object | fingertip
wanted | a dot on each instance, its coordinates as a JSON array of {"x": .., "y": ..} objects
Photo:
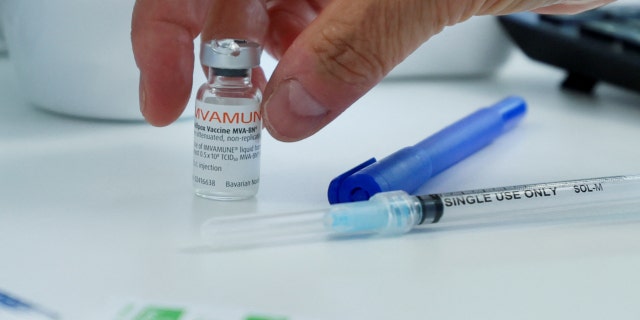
[
  {"x": 159, "y": 108},
  {"x": 331, "y": 64},
  {"x": 163, "y": 119},
  {"x": 303, "y": 96},
  {"x": 162, "y": 33},
  {"x": 142, "y": 94},
  {"x": 292, "y": 114},
  {"x": 165, "y": 59}
]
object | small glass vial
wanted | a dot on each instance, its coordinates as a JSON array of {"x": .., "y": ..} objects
[{"x": 228, "y": 123}]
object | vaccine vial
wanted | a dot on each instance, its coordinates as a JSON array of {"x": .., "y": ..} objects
[{"x": 228, "y": 123}]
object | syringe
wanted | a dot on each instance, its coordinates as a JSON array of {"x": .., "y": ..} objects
[{"x": 396, "y": 212}]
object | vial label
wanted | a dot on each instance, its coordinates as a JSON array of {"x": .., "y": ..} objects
[{"x": 226, "y": 162}]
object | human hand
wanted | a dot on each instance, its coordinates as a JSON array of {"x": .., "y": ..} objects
[{"x": 331, "y": 52}]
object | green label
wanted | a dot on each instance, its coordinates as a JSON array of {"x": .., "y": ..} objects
[
  {"x": 254, "y": 317},
  {"x": 153, "y": 313}
]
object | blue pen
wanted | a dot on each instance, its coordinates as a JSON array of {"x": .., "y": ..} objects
[
  {"x": 409, "y": 168},
  {"x": 15, "y": 308},
  {"x": 391, "y": 209}
]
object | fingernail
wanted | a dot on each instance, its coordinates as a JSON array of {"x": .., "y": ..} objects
[
  {"x": 142, "y": 92},
  {"x": 291, "y": 113}
]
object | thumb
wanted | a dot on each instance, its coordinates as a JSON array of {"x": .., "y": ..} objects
[{"x": 343, "y": 53}]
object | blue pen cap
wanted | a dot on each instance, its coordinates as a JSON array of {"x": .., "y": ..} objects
[{"x": 409, "y": 168}]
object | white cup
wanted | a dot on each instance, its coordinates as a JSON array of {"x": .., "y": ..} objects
[{"x": 74, "y": 56}]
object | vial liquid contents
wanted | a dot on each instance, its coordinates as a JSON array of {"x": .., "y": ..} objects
[{"x": 228, "y": 123}]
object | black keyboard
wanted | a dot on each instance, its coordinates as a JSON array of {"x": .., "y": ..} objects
[{"x": 598, "y": 45}]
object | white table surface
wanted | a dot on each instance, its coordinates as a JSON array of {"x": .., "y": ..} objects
[{"x": 96, "y": 210}]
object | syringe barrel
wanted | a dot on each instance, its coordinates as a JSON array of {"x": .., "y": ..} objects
[{"x": 618, "y": 194}]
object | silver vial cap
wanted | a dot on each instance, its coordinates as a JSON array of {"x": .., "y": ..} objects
[{"x": 230, "y": 54}]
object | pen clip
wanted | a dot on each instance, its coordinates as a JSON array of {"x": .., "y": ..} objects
[{"x": 335, "y": 185}]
